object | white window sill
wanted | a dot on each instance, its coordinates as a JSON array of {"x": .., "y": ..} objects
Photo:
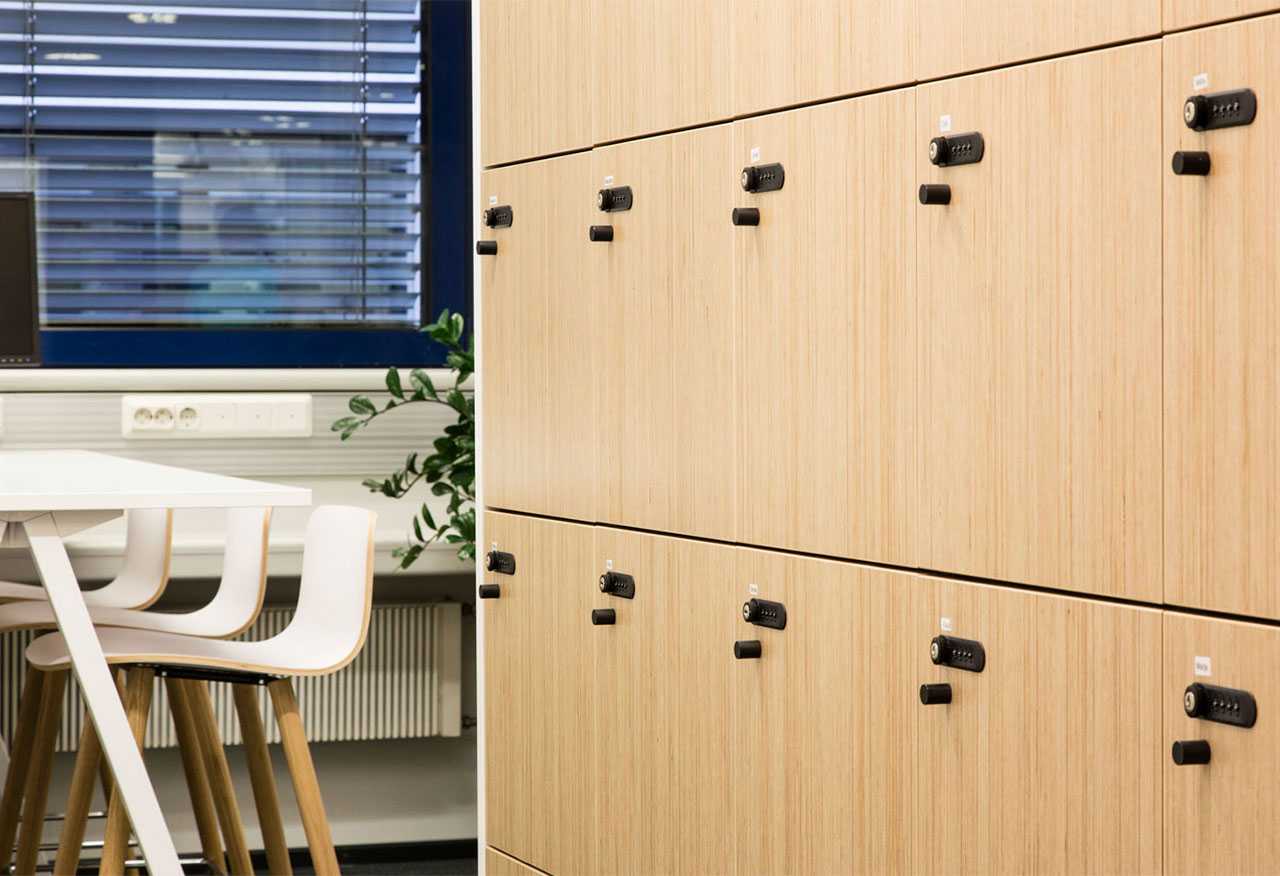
[{"x": 207, "y": 379}]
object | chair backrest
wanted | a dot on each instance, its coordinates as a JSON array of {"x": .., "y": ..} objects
[
  {"x": 238, "y": 601},
  {"x": 147, "y": 551},
  {"x": 336, "y": 592}
]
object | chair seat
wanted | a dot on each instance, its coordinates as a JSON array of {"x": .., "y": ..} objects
[
  {"x": 284, "y": 654},
  {"x": 29, "y": 615},
  {"x": 14, "y": 590}
]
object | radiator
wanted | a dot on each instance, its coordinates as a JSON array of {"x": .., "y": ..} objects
[{"x": 406, "y": 684}]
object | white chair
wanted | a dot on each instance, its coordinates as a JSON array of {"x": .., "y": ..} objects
[
  {"x": 234, "y": 607},
  {"x": 326, "y": 633},
  {"x": 142, "y": 579}
]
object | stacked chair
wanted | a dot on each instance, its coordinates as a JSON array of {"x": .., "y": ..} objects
[{"x": 189, "y": 651}]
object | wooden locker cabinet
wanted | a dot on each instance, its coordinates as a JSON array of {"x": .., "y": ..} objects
[
  {"x": 961, "y": 36},
  {"x": 665, "y": 343},
  {"x": 1039, "y": 294},
  {"x": 539, "y": 678},
  {"x": 1049, "y": 759},
  {"x": 823, "y": 721},
  {"x": 658, "y": 65},
  {"x": 661, "y": 706},
  {"x": 535, "y": 79},
  {"x": 1220, "y": 817},
  {"x": 789, "y": 53},
  {"x": 1221, "y": 324},
  {"x": 537, "y": 313},
  {"x": 1179, "y": 14},
  {"x": 826, "y": 347}
]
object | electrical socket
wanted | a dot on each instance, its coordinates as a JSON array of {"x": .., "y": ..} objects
[{"x": 221, "y": 415}]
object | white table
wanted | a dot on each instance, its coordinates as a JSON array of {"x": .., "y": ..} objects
[{"x": 48, "y": 495}]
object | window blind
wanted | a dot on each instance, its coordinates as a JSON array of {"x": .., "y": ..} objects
[{"x": 218, "y": 162}]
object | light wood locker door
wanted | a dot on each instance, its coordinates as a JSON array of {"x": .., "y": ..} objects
[
  {"x": 664, "y": 385},
  {"x": 658, "y": 65},
  {"x": 1221, "y": 324},
  {"x": 1049, "y": 759},
  {"x": 661, "y": 705},
  {"x": 789, "y": 53},
  {"x": 539, "y": 789},
  {"x": 823, "y": 720},
  {"x": 1040, "y": 325},
  {"x": 1221, "y": 816},
  {"x": 498, "y": 864},
  {"x": 535, "y": 79},
  {"x": 827, "y": 332},
  {"x": 538, "y": 318},
  {"x": 1188, "y": 13},
  {"x": 961, "y": 36}
]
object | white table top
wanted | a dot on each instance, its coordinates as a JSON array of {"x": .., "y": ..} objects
[{"x": 79, "y": 480}]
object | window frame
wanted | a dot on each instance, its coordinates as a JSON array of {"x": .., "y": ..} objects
[{"x": 446, "y": 275}]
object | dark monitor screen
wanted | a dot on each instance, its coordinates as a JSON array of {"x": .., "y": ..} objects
[{"x": 19, "y": 313}]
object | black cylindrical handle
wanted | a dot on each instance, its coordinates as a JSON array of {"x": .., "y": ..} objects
[
  {"x": 935, "y": 694},
  {"x": 935, "y": 193},
  {"x": 600, "y": 233},
  {"x": 747, "y": 650},
  {"x": 1191, "y": 751},
  {"x": 490, "y": 591},
  {"x": 746, "y": 216},
  {"x": 604, "y": 617},
  {"x": 486, "y": 247},
  {"x": 1191, "y": 163}
]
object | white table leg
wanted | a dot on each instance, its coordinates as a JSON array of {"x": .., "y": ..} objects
[{"x": 100, "y": 696}]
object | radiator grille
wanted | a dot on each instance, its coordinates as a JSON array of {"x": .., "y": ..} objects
[{"x": 405, "y": 684}]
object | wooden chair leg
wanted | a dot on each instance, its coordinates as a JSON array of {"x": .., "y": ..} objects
[
  {"x": 215, "y": 764},
  {"x": 264, "y": 780},
  {"x": 197, "y": 779},
  {"x": 80, "y": 798},
  {"x": 15, "y": 780},
  {"x": 36, "y": 793},
  {"x": 324, "y": 860},
  {"x": 137, "y": 706}
]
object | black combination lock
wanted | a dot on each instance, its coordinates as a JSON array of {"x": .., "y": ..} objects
[
  {"x": 501, "y": 562},
  {"x": 763, "y": 177},
  {"x": 1224, "y": 109},
  {"x": 498, "y": 217},
  {"x": 614, "y": 200},
  {"x": 1224, "y": 705},
  {"x": 956, "y": 149},
  {"x": 618, "y": 584},
  {"x": 764, "y": 613},
  {"x": 963, "y": 654}
]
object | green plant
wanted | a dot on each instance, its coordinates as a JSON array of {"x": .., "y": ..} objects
[{"x": 449, "y": 467}]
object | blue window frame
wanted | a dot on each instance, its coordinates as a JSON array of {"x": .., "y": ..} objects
[{"x": 243, "y": 183}]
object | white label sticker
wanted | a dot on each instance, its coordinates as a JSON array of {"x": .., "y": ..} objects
[
  {"x": 608, "y": 180},
  {"x": 1203, "y": 667},
  {"x": 753, "y": 590},
  {"x": 944, "y": 124},
  {"x": 608, "y": 565},
  {"x": 755, "y": 153},
  {"x": 493, "y": 200},
  {"x": 1200, "y": 81},
  {"x": 945, "y": 624}
]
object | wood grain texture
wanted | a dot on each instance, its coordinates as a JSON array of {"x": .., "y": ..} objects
[
  {"x": 203, "y": 809},
  {"x": 827, "y": 333},
  {"x": 657, "y": 65},
  {"x": 79, "y": 799},
  {"x": 1188, "y": 13},
  {"x": 1221, "y": 817},
  {"x": 535, "y": 78},
  {"x": 806, "y": 50},
  {"x": 538, "y": 311},
  {"x": 139, "y": 686},
  {"x": 218, "y": 773},
  {"x": 539, "y": 744},
  {"x": 263, "y": 778},
  {"x": 660, "y": 706},
  {"x": 959, "y": 36},
  {"x": 1221, "y": 323},
  {"x": 822, "y": 726},
  {"x": 1048, "y": 761},
  {"x": 35, "y": 795},
  {"x": 499, "y": 864},
  {"x": 1040, "y": 318},
  {"x": 20, "y": 751},
  {"x": 665, "y": 351},
  {"x": 302, "y": 771}
]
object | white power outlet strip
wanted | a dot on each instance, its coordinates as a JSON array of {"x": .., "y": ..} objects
[{"x": 216, "y": 415}]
